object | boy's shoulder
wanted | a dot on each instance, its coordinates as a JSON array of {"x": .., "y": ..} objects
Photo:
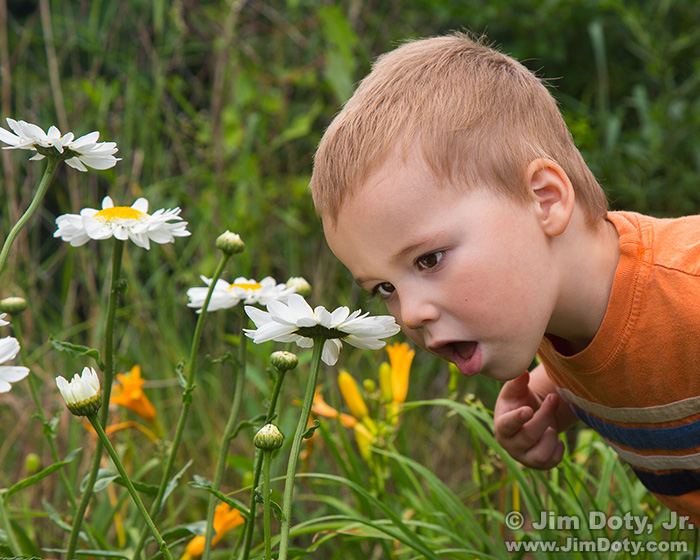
[{"x": 673, "y": 243}]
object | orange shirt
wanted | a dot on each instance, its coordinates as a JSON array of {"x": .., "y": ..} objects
[{"x": 638, "y": 382}]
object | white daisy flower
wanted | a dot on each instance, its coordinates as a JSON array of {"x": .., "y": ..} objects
[
  {"x": 91, "y": 153},
  {"x": 2, "y": 321},
  {"x": 85, "y": 151},
  {"x": 123, "y": 222},
  {"x": 9, "y": 348},
  {"x": 227, "y": 295},
  {"x": 82, "y": 395},
  {"x": 296, "y": 322}
]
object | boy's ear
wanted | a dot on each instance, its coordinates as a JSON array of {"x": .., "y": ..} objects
[{"x": 553, "y": 194}]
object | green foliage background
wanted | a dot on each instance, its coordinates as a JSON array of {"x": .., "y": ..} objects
[{"x": 217, "y": 107}]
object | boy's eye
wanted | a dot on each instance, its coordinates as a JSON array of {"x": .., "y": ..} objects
[
  {"x": 429, "y": 260},
  {"x": 385, "y": 289}
]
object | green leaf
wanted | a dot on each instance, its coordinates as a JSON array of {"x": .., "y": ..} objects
[
  {"x": 90, "y": 552},
  {"x": 173, "y": 482},
  {"x": 104, "y": 477},
  {"x": 33, "y": 479},
  {"x": 77, "y": 350},
  {"x": 204, "y": 484},
  {"x": 179, "y": 373},
  {"x": 311, "y": 429}
]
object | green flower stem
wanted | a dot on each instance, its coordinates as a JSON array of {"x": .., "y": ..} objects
[
  {"x": 226, "y": 438},
  {"x": 117, "y": 254},
  {"x": 319, "y": 341},
  {"x": 114, "y": 290},
  {"x": 267, "y": 456},
  {"x": 5, "y": 519},
  {"x": 129, "y": 486},
  {"x": 186, "y": 403},
  {"x": 84, "y": 501},
  {"x": 51, "y": 165},
  {"x": 250, "y": 525}
]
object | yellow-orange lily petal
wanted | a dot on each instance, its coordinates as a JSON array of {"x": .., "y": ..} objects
[
  {"x": 400, "y": 357},
  {"x": 129, "y": 394},
  {"x": 225, "y": 519},
  {"x": 322, "y": 408},
  {"x": 352, "y": 396}
]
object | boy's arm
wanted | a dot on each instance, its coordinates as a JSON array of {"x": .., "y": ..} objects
[{"x": 527, "y": 418}]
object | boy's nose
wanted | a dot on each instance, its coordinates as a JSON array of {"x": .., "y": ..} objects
[{"x": 416, "y": 311}]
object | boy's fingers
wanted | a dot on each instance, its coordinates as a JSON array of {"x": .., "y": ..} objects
[
  {"x": 546, "y": 453},
  {"x": 507, "y": 424},
  {"x": 519, "y": 440}
]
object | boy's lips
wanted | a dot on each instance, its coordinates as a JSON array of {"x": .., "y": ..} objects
[{"x": 466, "y": 355}]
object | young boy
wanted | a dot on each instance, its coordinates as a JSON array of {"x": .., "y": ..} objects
[{"x": 450, "y": 185}]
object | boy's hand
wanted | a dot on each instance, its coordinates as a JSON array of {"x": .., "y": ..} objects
[{"x": 526, "y": 424}]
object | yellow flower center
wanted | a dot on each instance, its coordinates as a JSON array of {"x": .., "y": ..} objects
[
  {"x": 119, "y": 213},
  {"x": 246, "y": 286}
]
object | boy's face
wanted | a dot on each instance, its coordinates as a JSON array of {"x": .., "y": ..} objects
[{"x": 468, "y": 274}]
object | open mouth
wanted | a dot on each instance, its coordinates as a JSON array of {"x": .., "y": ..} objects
[{"x": 464, "y": 354}]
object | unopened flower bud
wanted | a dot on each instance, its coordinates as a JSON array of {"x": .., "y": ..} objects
[
  {"x": 283, "y": 361},
  {"x": 230, "y": 243},
  {"x": 302, "y": 287},
  {"x": 13, "y": 305},
  {"x": 268, "y": 438},
  {"x": 32, "y": 463},
  {"x": 82, "y": 395},
  {"x": 369, "y": 385}
]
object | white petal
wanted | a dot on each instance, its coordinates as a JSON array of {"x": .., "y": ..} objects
[
  {"x": 331, "y": 350},
  {"x": 13, "y": 374}
]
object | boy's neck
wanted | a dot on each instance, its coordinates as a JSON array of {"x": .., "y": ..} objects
[{"x": 589, "y": 258}]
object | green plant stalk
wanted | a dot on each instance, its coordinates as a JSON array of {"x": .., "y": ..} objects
[
  {"x": 34, "y": 390},
  {"x": 319, "y": 341},
  {"x": 250, "y": 525},
  {"x": 51, "y": 165},
  {"x": 267, "y": 456},
  {"x": 228, "y": 430},
  {"x": 11, "y": 539},
  {"x": 117, "y": 254},
  {"x": 129, "y": 486},
  {"x": 186, "y": 403},
  {"x": 84, "y": 501}
]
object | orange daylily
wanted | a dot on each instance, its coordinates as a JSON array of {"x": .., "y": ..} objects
[
  {"x": 129, "y": 394},
  {"x": 225, "y": 519},
  {"x": 400, "y": 357}
]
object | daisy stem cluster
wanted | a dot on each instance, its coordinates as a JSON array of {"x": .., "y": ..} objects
[
  {"x": 296, "y": 446},
  {"x": 282, "y": 362},
  {"x": 186, "y": 403},
  {"x": 257, "y": 468},
  {"x": 228, "y": 431},
  {"x": 51, "y": 165},
  {"x": 129, "y": 486}
]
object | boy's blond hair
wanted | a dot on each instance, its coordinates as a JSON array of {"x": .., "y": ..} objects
[{"x": 478, "y": 116}]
